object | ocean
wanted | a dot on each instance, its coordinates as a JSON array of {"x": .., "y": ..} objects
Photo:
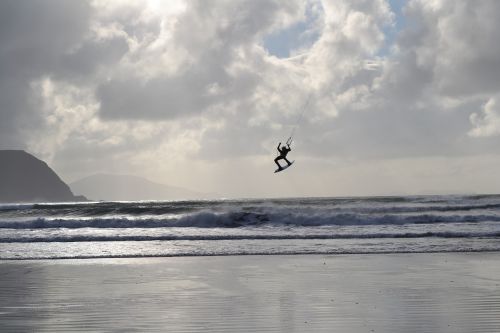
[{"x": 406, "y": 224}]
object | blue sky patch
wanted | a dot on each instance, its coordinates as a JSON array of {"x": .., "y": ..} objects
[
  {"x": 391, "y": 32},
  {"x": 283, "y": 42}
]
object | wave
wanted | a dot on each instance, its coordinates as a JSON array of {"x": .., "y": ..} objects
[
  {"x": 437, "y": 208},
  {"x": 248, "y": 253},
  {"x": 115, "y": 238},
  {"x": 308, "y": 206},
  {"x": 15, "y": 206},
  {"x": 245, "y": 219}
]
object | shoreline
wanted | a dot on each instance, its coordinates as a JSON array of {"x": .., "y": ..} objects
[{"x": 222, "y": 255}]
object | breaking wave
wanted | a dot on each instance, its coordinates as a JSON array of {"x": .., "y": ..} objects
[
  {"x": 114, "y": 238},
  {"x": 382, "y": 205},
  {"x": 246, "y": 219},
  {"x": 250, "y": 226}
]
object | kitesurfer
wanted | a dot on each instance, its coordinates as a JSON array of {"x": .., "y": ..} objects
[{"x": 283, "y": 152}]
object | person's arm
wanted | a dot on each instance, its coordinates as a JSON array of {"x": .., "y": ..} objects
[{"x": 279, "y": 144}]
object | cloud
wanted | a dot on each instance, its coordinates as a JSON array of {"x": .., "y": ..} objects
[
  {"x": 210, "y": 55},
  {"x": 486, "y": 123},
  {"x": 417, "y": 103},
  {"x": 163, "y": 89},
  {"x": 33, "y": 43}
]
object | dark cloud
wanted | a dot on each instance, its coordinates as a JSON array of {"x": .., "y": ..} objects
[
  {"x": 82, "y": 61},
  {"x": 457, "y": 41},
  {"x": 34, "y": 35},
  {"x": 171, "y": 97}
]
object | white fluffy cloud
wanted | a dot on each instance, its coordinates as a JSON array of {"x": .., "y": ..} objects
[
  {"x": 488, "y": 122},
  {"x": 185, "y": 91},
  {"x": 204, "y": 56}
]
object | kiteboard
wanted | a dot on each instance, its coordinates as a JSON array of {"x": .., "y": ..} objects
[{"x": 283, "y": 168}]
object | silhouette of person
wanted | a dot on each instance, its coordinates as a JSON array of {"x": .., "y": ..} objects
[{"x": 283, "y": 152}]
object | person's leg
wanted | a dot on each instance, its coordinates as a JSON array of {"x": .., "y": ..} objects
[
  {"x": 276, "y": 161},
  {"x": 287, "y": 161}
]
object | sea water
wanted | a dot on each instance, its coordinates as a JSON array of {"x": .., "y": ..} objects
[{"x": 250, "y": 226}]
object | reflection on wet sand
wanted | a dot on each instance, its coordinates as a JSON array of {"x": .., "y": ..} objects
[{"x": 346, "y": 293}]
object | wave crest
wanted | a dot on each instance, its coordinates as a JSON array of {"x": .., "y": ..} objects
[
  {"x": 139, "y": 238},
  {"x": 246, "y": 219}
]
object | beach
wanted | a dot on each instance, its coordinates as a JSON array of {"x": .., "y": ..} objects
[
  {"x": 428, "y": 292},
  {"x": 250, "y": 166}
]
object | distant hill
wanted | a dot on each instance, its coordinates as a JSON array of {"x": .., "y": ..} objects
[
  {"x": 129, "y": 188},
  {"x": 24, "y": 178}
]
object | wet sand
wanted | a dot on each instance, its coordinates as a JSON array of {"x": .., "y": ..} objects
[{"x": 445, "y": 292}]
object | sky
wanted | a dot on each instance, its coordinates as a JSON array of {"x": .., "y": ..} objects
[{"x": 397, "y": 97}]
